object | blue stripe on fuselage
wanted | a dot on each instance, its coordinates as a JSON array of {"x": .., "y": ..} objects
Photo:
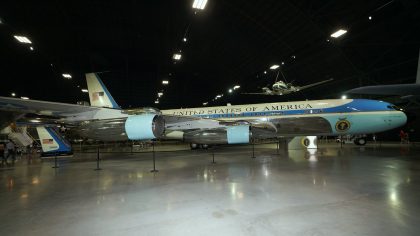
[{"x": 357, "y": 105}]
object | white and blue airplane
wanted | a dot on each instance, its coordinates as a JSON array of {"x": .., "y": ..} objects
[{"x": 105, "y": 120}]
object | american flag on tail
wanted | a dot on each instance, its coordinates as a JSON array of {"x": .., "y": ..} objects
[{"x": 96, "y": 95}]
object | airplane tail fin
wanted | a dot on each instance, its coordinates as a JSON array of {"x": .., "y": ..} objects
[
  {"x": 98, "y": 94},
  {"x": 51, "y": 141}
]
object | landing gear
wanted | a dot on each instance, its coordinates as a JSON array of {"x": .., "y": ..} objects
[
  {"x": 199, "y": 146},
  {"x": 360, "y": 141}
]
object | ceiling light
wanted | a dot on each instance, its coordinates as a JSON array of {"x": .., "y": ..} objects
[
  {"x": 199, "y": 4},
  {"x": 22, "y": 39},
  {"x": 219, "y": 96},
  {"x": 236, "y": 87},
  {"x": 24, "y": 98},
  {"x": 165, "y": 82},
  {"x": 205, "y": 103},
  {"x": 344, "y": 97},
  {"x": 177, "y": 56},
  {"x": 32, "y": 48},
  {"x": 273, "y": 67},
  {"x": 67, "y": 76},
  {"x": 1, "y": 21},
  {"x": 160, "y": 94},
  {"x": 370, "y": 17},
  {"x": 338, "y": 33},
  {"x": 294, "y": 57},
  {"x": 282, "y": 63},
  {"x": 13, "y": 94},
  {"x": 157, "y": 102},
  {"x": 230, "y": 90},
  {"x": 184, "y": 39},
  {"x": 265, "y": 72},
  {"x": 85, "y": 90}
]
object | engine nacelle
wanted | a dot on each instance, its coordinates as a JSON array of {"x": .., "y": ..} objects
[
  {"x": 144, "y": 127},
  {"x": 229, "y": 135}
]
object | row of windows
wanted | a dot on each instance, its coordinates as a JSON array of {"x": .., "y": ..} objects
[{"x": 276, "y": 113}]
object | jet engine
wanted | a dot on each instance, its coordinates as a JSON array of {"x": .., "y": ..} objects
[
  {"x": 229, "y": 135},
  {"x": 143, "y": 127},
  {"x": 136, "y": 127}
]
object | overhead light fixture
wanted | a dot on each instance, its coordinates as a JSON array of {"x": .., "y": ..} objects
[
  {"x": 13, "y": 94},
  {"x": 282, "y": 63},
  {"x": 165, "y": 82},
  {"x": 294, "y": 57},
  {"x": 265, "y": 72},
  {"x": 199, "y": 4},
  {"x": 205, "y": 103},
  {"x": 160, "y": 94},
  {"x": 24, "y": 98},
  {"x": 236, "y": 87},
  {"x": 184, "y": 39},
  {"x": 157, "y": 102},
  {"x": 370, "y": 17},
  {"x": 1, "y": 21},
  {"x": 31, "y": 48},
  {"x": 273, "y": 67},
  {"x": 230, "y": 90},
  {"x": 219, "y": 96},
  {"x": 344, "y": 97},
  {"x": 67, "y": 76},
  {"x": 338, "y": 33},
  {"x": 177, "y": 56},
  {"x": 85, "y": 90},
  {"x": 22, "y": 39}
]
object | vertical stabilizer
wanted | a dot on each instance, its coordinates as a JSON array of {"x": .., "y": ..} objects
[
  {"x": 98, "y": 94},
  {"x": 51, "y": 141}
]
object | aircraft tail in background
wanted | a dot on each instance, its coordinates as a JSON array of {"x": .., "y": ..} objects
[{"x": 51, "y": 141}]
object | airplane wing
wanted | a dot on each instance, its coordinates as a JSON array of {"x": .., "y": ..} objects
[
  {"x": 258, "y": 93},
  {"x": 393, "y": 89},
  {"x": 314, "y": 84},
  {"x": 43, "y": 107}
]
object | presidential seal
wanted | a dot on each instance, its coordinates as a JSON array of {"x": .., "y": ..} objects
[{"x": 342, "y": 125}]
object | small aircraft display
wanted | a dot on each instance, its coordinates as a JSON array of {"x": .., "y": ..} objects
[{"x": 282, "y": 88}]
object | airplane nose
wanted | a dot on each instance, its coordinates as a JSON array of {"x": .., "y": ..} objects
[{"x": 398, "y": 119}]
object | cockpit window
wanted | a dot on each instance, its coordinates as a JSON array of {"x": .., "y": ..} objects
[{"x": 393, "y": 107}]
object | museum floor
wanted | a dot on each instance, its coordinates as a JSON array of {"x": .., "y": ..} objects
[{"x": 350, "y": 191}]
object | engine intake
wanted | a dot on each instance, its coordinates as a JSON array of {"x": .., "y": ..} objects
[{"x": 143, "y": 127}]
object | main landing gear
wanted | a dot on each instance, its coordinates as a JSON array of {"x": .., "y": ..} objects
[{"x": 198, "y": 146}]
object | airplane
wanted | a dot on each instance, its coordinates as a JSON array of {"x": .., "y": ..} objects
[
  {"x": 410, "y": 92},
  {"x": 282, "y": 88},
  {"x": 104, "y": 120}
]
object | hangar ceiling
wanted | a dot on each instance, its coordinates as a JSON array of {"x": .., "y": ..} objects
[{"x": 228, "y": 43}]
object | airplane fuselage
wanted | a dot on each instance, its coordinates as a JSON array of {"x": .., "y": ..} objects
[{"x": 321, "y": 117}]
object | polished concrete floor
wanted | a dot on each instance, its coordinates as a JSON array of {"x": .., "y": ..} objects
[{"x": 350, "y": 191}]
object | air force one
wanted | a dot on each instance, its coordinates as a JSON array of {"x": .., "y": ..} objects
[
  {"x": 282, "y": 88},
  {"x": 105, "y": 120}
]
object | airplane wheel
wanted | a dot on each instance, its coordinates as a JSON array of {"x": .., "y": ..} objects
[
  {"x": 362, "y": 141},
  {"x": 193, "y": 146},
  {"x": 204, "y": 146}
]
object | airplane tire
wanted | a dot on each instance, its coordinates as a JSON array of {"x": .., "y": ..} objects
[
  {"x": 360, "y": 141},
  {"x": 194, "y": 146},
  {"x": 204, "y": 146}
]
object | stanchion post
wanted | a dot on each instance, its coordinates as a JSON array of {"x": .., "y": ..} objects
[
  {"x": 253, "y": 148},
  {"x": 154, "y": 158},
  {"x": 97, "y": 160},
  {"x": 55, "y": 161},
  {"x": 212, "y": 153}
]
